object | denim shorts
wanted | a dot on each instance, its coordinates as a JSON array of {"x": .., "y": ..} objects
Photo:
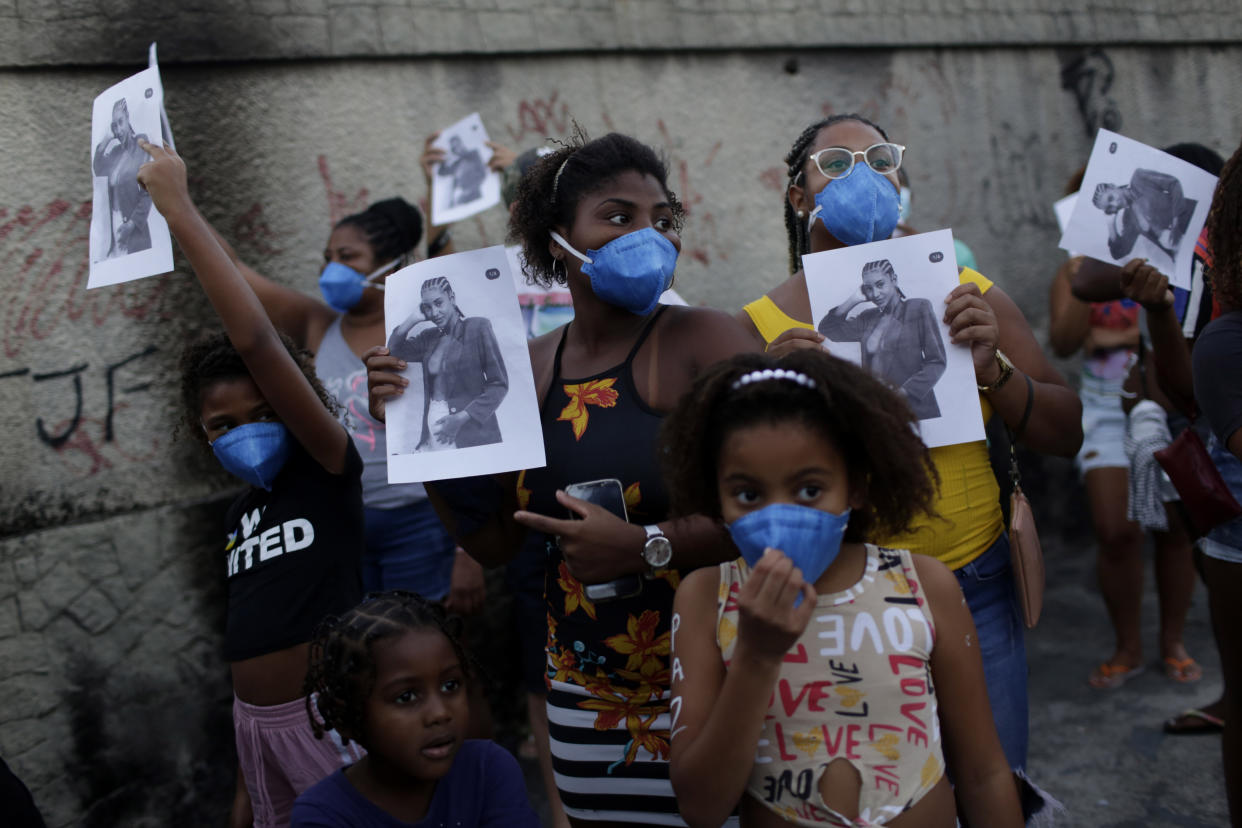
[
  {"x": 1225, "y": 541},
  {"x": 987, "y": 583},
  {"x": 407, "y": 548},
  {"x": 1103, "y": 425}
]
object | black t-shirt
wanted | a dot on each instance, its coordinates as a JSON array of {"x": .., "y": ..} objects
[
  {"x": 1218, "y": 385},
  {"x": 293, "y": 555}
]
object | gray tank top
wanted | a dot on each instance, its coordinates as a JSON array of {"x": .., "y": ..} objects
[{"x": 345, "y": 377}]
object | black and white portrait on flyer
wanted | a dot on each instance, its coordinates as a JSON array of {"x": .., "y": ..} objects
[
  {"x": 1138, "y": 202},
  {"x": 881, "y": 306},
  {"x": 462, "y": 184},
  {"x": 470, "y": 406},
  {"x": 128, "y": 239}
]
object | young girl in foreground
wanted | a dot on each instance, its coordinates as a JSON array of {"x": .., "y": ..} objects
[
  {"x": 295, "y": 536},
  {"x": 391, "y": 675},
  {"x": 820, "y": 677}
]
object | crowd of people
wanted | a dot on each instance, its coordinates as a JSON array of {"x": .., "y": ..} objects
[{"x": 823, "y": 627}]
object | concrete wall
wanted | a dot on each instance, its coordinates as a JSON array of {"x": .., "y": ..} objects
[
  {"x": 110, "y": 594},
  {"x": 43, "y": 32}
]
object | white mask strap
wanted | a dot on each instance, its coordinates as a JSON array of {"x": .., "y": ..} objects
[
  {"x": 375, "y": 273},
  {"x": 810, "y": 222},
  {"x": 561, "y": 241}
]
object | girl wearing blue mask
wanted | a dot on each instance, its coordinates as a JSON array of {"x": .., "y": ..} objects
[
  {"x": 294, "y": 537},
  {"x": 406, "y": 545},
  {"x": 819, "y": 679},
  {"x": 599, "y": 217},
  {"x": 843, "y": 190}
]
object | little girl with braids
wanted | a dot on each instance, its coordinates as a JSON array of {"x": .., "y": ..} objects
[
  {"x": 827, "y": 679},
  {"x": 391, "y": 675}
]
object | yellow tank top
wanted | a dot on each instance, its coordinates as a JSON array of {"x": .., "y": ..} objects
[{"x": 969, "y": 517}]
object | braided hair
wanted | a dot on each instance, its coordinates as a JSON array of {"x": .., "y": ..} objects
[
  {"x": 393, "y": 227},
  {"x": 885, "y": 267},
  {"x": 861, "y": 416},
  {"x": 342, "y": 661},
  {"x": 548, "y": 193},
  {"x": 213, "y": 359},
  {"x": 441, "y": 283},
  {"x": 1224, "y": 230},
  {"x": 796, "y": 228}
]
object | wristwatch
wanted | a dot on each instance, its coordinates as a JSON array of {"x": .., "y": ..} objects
[
  {"x": 657, "y": 551},
  {"x": 1006, "y": 371}
]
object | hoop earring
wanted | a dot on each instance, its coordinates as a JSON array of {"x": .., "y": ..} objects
[{"x": 564, "y": 270}]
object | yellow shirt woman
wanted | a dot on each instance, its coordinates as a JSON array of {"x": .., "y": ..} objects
[{"x": 969, "y": 517}]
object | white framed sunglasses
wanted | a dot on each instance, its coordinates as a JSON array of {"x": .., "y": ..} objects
[{"x": 838, "y": 162}]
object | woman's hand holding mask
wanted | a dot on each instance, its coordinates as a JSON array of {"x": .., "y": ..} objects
[{"x": 768, "y": 622}]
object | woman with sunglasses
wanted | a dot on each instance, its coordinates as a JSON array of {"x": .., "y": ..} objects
[{"x": 842, "y": 191}]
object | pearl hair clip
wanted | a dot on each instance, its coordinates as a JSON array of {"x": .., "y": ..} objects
[{"x": 773, "y": 374}]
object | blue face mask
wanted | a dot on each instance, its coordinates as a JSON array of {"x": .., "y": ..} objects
[
  {"x": 255, "y": 452},
  {"x": 342, "y": 286},
  {"x": 811, "y": 538},
  {"x": 629, "y": 272},
  {"x": 862, "y": 207}
]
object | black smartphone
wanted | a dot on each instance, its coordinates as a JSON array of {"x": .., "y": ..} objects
[{"x": 610, "y": 495}]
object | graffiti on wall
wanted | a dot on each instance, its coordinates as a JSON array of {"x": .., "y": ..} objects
[
  {"x": 539, "y": 117},
  {"x": 88, "y": 443},
  {"x": 1090, "y": 77},
  {"x": 47, "y": 247}
]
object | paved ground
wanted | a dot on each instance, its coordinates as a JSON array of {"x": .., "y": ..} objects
[{"x": 1103, "y": 753}]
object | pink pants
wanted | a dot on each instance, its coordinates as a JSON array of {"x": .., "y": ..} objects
[{"x": 280, "y": 756}]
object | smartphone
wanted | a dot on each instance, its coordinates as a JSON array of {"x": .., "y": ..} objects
[{"x": 610, "y": 495}]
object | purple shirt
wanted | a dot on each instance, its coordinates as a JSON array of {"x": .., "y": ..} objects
[{"x": 485, "y": 787}]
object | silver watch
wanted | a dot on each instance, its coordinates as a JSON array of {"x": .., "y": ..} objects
[{"x": 657, "y": 551}]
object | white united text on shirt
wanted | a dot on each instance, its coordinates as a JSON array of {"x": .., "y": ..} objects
[{"x": 290, "y": 536}]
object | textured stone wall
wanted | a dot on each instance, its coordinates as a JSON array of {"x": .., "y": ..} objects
[
  {"x": 117, "y": 706},
  {"x": 110, "y": 588},
  {"x": 41, "y": 32}
]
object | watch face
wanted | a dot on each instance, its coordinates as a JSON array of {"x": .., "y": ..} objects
[{"x": 658, "y": 552}]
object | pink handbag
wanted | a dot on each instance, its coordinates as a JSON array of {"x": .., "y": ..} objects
[{"x": 1025, "y": 553}]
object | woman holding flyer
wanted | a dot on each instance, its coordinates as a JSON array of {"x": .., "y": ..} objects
[
  {"x": 843, "y": 190},
  {"x": 464, "y": 378},
  {"x": 406, "y": 545},
  {"x": 599, "y": 217}
]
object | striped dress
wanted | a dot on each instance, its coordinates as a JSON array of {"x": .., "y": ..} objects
[{"x": 608, "y": 661}]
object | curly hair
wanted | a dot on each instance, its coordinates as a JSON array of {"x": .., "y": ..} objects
[
  {"x": 393, "y": 227},
  {"x": 213, "y": 359},
  {"x": 867, "y": 422},
  {"x": 342, "y": 661},
  {"x": 795, "y": 160},
  {"x": 549, "y": 192},
  {"x": 1224, "y": 231}
]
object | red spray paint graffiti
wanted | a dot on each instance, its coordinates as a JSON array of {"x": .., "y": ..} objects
[
  {"x": 541, "y": 117},
  {"x": 340, "y": 205}
]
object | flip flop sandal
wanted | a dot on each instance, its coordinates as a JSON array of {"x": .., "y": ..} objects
[
  {"x": 1183, "y": 670},
  {"x": 1180, "y": 725},
  {"x": 1111, "y": 676}
]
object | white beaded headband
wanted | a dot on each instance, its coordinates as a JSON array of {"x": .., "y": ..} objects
[
  {"x": 556, "y": 182},
  {"x": 773, "y": 374}
]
